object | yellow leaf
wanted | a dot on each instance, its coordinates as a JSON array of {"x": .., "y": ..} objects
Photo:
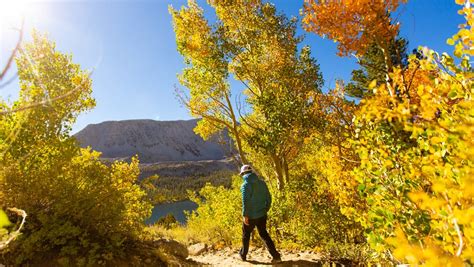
[
  {"x": 373, "y": 84},
  {"x": 4, "y": 221}
]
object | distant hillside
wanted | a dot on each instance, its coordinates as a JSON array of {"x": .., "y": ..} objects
[
  {"x": 176, "y": 178},
  {"x": 153, "y": 141},
  {"x": 186, "y": 169}
]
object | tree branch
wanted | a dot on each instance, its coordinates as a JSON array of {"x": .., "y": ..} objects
[
  {"x": 15, "y": 234},
  {"x": 44, "y": 102},
  {"x": 15, "y": 50},
  {"x": 8, "y": 81}
]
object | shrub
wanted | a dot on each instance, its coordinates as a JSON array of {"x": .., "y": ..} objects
[
  {"x": 218, "y": 217},
  {"x": 304, "y": 216},
  {"x": 81, "y": 208},
  {"x": 168, "y": 222},
  {"x": 416, "y": 154},
  {"x": 77, "y": 207}
]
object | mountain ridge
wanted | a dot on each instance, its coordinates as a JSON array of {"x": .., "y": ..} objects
[{"x": 153, "y": 141}]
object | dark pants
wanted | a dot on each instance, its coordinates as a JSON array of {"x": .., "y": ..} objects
[{"x": 261, "y": 224}]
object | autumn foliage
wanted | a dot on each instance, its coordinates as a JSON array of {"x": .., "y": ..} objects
[
  {"x": 413, "y": 138},
  {"x": 252, "y": 44},
  {"x": 387, "y": 179},
  {"x": 397, "y": 165},
  {"x": 79, "y": 209},
  {"x": 354, "y": 24}
]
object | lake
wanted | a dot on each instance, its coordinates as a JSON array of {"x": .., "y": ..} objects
[{"x": 176, "y": 208}]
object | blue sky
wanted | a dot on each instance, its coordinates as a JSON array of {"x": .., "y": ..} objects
[{"x": 131, "y": 47}]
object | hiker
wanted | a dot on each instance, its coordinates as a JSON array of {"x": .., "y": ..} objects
[{"x": 256, "y": 201}]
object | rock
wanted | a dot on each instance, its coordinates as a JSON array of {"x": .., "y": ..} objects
[
  {"x": 173, "y": 247},
  {"x": 197, "y": 249},
  {"x": 172, "y": 252}
]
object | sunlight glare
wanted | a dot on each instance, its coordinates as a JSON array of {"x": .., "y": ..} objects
[{"x": 12, "y": 12}]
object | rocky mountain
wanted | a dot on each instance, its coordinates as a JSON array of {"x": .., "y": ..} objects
[{"x": 153, "y": 141}]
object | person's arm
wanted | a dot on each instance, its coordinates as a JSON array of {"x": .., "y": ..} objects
[
  {"x": 245, "y": 189},
  {"x": 269, "y": 198}
]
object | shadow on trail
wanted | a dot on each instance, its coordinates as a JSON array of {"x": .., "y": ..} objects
[
  {"x": 258, "y": 262},
  {"x": 299, "y": 263}
]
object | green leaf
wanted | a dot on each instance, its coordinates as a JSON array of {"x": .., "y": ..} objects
[
  {"x": 4, "y": 221},
  {"x": 453, "y": 94}
]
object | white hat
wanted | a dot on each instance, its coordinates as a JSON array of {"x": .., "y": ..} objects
[{"x": 245, "y": 168}]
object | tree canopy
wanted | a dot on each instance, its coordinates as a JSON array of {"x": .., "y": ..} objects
[{"x": 255, "y": 45}]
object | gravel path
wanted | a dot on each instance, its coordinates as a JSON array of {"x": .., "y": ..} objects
[{"x": 256, "y": 257}]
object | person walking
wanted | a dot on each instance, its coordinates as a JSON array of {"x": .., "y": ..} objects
[{"x": 256, "y": 202}]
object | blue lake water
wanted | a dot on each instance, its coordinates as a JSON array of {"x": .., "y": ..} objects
[{"x": 175, "y": 208}]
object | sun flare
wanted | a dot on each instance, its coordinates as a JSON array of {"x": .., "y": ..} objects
[{"x": 13, "y": 11}]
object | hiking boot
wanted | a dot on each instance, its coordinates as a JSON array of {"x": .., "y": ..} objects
[
  {"x": 242, "y": 257},
  {"x": 276, "y": 260}
]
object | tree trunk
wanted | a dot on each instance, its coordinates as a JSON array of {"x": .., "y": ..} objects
[
  {"x": 388, "y": 66},
  {"x": 286, "y": 170},
  {"x": 235, "y": 131},
  {"x": 238, "y": 141},
  {"x": 279, "y": 172}
]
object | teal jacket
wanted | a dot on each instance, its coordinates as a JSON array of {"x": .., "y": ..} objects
[{"x": 256, "y": 198}]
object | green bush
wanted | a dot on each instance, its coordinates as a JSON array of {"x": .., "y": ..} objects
[{"x": 218, "y": 219}]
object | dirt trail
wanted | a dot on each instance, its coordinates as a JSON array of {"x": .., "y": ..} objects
[{"x": 256, "y": 257}]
